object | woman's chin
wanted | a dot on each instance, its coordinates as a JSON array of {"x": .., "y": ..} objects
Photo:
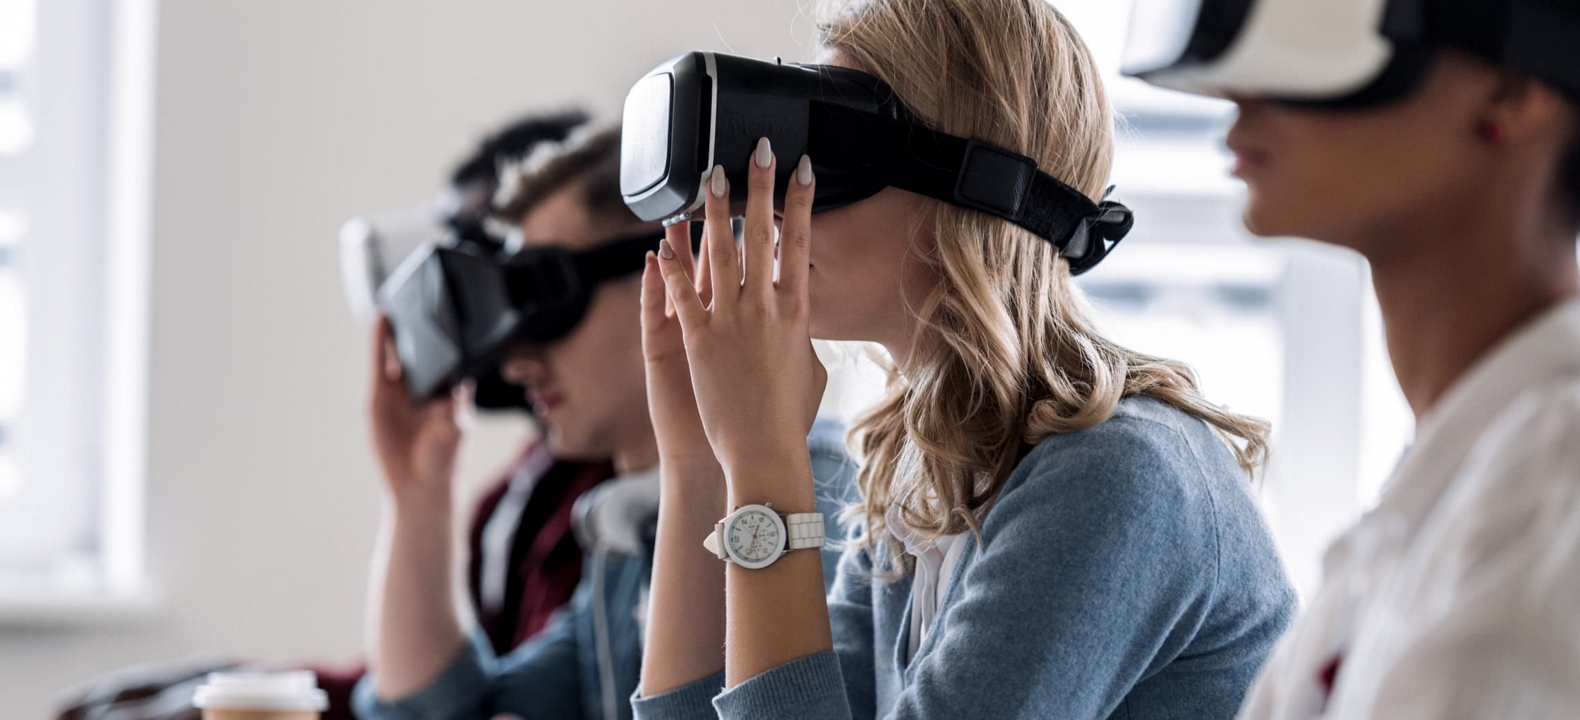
[
  {"x": 815, "y": 328},
  {"x": 1263, "y": 219}
]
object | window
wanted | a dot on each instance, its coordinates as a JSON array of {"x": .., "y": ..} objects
[
  {"x": 75, "y": 95},
  {"x": 15, "y": 136},
  {"x": 1285, "y": 330}
]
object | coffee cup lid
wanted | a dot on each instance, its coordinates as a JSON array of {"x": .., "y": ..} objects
[{"x": 296, "y": 690}]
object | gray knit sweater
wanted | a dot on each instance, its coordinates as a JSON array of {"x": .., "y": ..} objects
[{"x": 1124, "y": 572}]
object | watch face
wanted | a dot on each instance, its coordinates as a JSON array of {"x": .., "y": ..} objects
[{"x": 755, "y": 537}]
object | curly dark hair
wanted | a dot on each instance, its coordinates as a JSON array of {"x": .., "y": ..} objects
[
  {"x": 588, "y": 160},
  {"x": 511, "y": 142}
]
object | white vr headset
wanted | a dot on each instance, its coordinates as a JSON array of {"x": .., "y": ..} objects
[
  {"x": 372, "y": 246},
  {"x": 1342, "y": 52}
]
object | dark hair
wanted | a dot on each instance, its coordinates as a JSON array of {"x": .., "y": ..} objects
[
  {"x": 513, "y": 142},
  {"x": 590, "y": 162}
]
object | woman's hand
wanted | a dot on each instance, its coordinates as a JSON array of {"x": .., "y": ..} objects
[
  {"x": 685, "y": 630},
  {"x": 682, "y": 445},
  {"x": 416, "y": 442},
  {"x": 757, "y": 380}
]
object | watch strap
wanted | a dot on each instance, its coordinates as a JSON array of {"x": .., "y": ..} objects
[
  {"x": 715, "y": 542},
  {"x": 804, "y": 531}
]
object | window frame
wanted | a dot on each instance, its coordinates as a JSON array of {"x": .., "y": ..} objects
[{"x": 85, "y": 264}]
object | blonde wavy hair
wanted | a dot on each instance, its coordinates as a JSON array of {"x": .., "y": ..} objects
[{"x": 1004, "y": 355}]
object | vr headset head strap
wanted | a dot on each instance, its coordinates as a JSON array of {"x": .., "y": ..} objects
[
  {"x": 616, "y": 258},
  {"x": 1535, "y": 37},
  {"x": 623, "y": 256},
  {"x": 904, "y": 153},
  {"x": 583, "y": 270}
]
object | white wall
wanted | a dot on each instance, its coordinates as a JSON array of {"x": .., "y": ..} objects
[{"x": 276, "y": 120}]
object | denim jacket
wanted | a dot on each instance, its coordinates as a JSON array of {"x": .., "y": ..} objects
[{"x": 585, "y": 664}]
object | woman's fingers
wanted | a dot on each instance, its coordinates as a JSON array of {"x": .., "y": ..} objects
[
  {"x": 655, "y": 301},
  {"x": 680, "y": 240},
  {"x": 688, "y": 307},
  {"x": 758, "y": 244},
  {"x": 678, "y": 235},
  {"x": 704, "y": 278},
  {"x": 722, "y": 260},
  {"x": 795, "y": 236}
]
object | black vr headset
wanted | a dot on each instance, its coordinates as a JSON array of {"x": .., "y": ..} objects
[
  {"x": 373, "y": 245},
  {"x": 704, "y": 109},
  {"x": 456, "y": 309},
  {"x": 1343, "y": 53}
]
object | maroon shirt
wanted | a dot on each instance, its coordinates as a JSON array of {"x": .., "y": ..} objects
[{"x": 545, "y": 562}]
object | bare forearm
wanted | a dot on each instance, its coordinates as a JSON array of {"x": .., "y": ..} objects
[
  {"x": 685, "y": 628},
  {"x": 418, "y": 630},
  {"x": 778, "y": 613}
]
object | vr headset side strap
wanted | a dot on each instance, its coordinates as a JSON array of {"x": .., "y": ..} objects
[
  {"x": 615, "y": 259},
  {"x": 1541, "y": 37},
  {"x": 611, "y": 260},
  {"x": 626, "y": 255},
  {"x": 968, "y": 173}
]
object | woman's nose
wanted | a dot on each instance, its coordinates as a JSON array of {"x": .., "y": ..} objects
[{"x": 1247, "y": 104}]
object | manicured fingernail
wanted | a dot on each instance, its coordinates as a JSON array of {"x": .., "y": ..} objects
[
  {"x": 717, "y": 183},
  {"x": 803, "y": 171},
  {"x": 665, "y": 250},
  {"x": 765, "y": 154}
]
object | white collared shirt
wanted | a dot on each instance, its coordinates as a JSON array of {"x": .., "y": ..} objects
[
  {"x": 1459, "y": 595},
  {"x": 499, "y": 531},
  {"x": 935, "y": 565}
]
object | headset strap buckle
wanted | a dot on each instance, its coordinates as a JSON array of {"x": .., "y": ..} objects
[{"x": 994, "y": 180}]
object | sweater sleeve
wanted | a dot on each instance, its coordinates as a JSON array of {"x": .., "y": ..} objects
[
  {"x": 834, "y": 480},
  {"x": 848, "y": 669},
  {"x": 1095, "y": 565},
  {"x": 536, "y": 680},
  {"x": 460, "y": 692}
]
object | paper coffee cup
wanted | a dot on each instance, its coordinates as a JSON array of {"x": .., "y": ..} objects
[{"x": 261, "y": 696}]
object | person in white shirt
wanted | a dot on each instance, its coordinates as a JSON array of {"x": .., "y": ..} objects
[{"x": 1458, "y": 596}]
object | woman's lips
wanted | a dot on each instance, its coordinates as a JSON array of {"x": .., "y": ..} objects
[
  {"x": 1246, "y": 157},
  {"x": 1247, "y": 162}
]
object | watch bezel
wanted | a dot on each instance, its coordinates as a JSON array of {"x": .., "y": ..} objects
[{"x": 779, "y": 549}]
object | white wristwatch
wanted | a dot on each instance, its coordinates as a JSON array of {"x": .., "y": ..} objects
[{"x": 754, "y": 536}]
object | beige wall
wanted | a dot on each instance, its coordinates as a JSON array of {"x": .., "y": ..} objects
[{"x": 276, "y": 120}]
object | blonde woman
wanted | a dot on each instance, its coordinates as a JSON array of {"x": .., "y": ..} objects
[{"x": 1051, "y": 525}]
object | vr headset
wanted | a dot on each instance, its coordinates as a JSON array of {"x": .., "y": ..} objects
[
  {"x": 1342, "y": 53},
  {"x": 457, "y": 308},
  {"x": 372, "y": 246},
  {"x": 704, "y": 109}
]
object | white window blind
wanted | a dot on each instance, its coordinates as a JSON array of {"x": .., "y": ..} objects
[{"x": 75, "y": 112}]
